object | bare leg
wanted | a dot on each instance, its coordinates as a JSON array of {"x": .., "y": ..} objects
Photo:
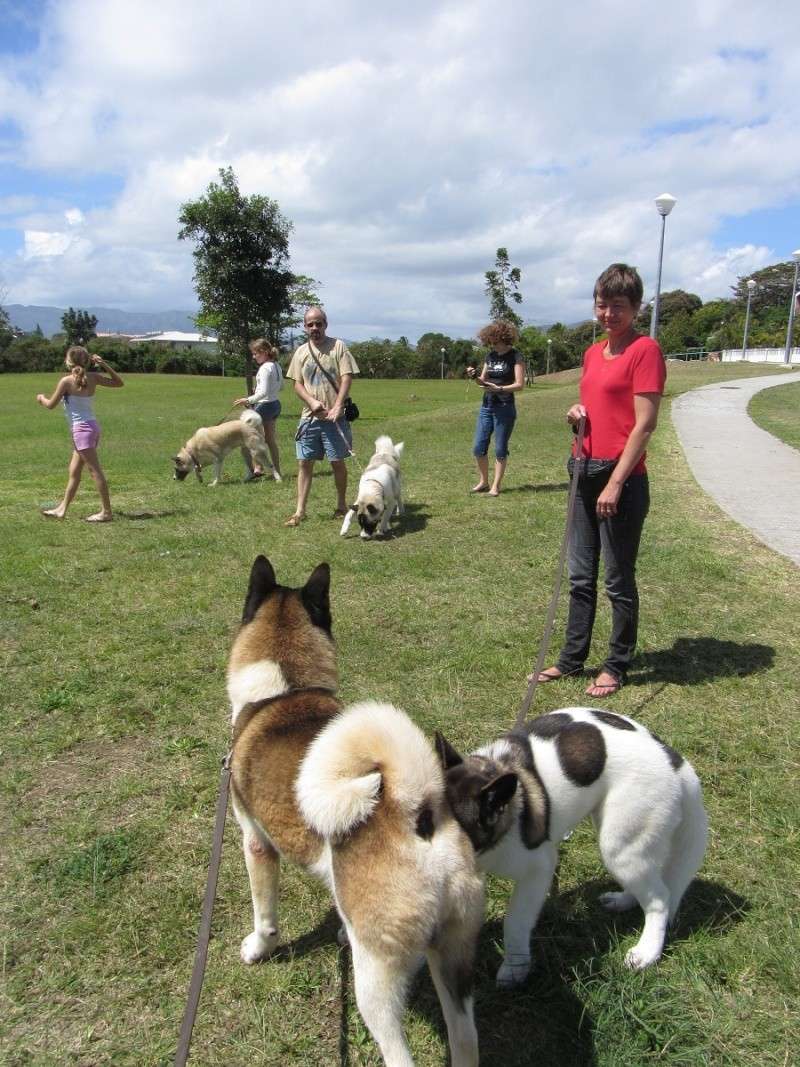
[
  {"x": 272, "y": 445},
  {"x": 499, "y": 471},
  {"x": 305, "y": 475},
  {"x": 73, "y": 481},
  {"x": 483, "y": 474},
  {"x": 339, "y": 468},
  {"x": 90, "y": 458}
]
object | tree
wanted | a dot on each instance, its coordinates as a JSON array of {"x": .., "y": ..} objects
[
  {"x": 241, "y": 261},
  {"x": 79, "y": 327},
  {"x": 773, "y": 287},
  {"x": 502, "y": 287}
]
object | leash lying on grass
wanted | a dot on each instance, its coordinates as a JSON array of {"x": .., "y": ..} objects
[{"x": 204, "y": 934}]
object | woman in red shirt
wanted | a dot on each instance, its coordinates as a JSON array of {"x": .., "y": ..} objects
[{"x": 620, "y": 392}]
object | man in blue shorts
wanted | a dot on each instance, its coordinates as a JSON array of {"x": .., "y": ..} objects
[{"x": 322, "y": 370}]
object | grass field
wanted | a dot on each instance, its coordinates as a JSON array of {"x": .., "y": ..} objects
[
  {"x": 114, "y": 643},
  {"x": 778, "y": 414}
]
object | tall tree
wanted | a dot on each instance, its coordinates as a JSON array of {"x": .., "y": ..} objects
[
  {"x": 241, "y": 263},
  {"x": 773, "y": 286},
  {"x": 502, "y": 288},
  {"x": 79, "y": 326}
]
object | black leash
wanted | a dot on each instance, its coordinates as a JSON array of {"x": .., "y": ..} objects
[
  {"x": 204, "y": 935},
  {"x": 577, "y": 471}
]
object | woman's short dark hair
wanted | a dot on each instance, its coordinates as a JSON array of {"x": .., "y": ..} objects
[
  {"x": 620, "y": 280},
  {"x": 498, "y": 333}
]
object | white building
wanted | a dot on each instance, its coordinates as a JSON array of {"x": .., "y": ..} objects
[{"x": 179, "y": 340}]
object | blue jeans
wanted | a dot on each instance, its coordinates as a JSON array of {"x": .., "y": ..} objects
[
  {"x": 617, "y": 538},
  {"x": 497, "y": 419}
]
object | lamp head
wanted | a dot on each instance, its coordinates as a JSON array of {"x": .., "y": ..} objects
[
  {"x": 665, "y": 203},
  {"x": 796, "y": 255},
  {"x": 751, "y": 285}
]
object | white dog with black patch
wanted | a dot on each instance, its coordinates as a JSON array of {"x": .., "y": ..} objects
[
  {"x": 379, "y": 491},
  {"x": 520, "y": 796}
]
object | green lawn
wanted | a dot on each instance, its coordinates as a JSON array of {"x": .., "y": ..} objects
[
  {"x": 114, "y": 644},
  {"x": 778, "y": 412}
]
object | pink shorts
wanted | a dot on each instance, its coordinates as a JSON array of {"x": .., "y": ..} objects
[{"x": 85, "y": 435}]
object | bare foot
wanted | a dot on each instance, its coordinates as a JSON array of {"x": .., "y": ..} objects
[
  {"x": 604, "y": 685},
  {"x": 294, "y": 520},
  {"x": 53, "y": 513},
  {"x": 481, "y": 487},
  {"x": 494, "y": 492},
  {"x": 549, "y": 674},
  {"x": 100, "y": 516}
]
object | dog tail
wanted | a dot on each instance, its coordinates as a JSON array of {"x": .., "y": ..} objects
[
  {"x": 370, "y": 752},
  {"x": 252, "y": 418},
  {"x": 385, "y": 444}
]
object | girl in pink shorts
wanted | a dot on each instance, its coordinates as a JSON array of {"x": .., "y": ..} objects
[{"x": 76, "y": 392}]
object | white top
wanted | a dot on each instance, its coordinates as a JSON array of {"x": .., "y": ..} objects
[
  {"x": 269, "y": 382},
  {"x": 78, "y": 408}
]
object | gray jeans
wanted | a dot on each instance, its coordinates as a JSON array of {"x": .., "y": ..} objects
[{"x": 617, "y": 539}]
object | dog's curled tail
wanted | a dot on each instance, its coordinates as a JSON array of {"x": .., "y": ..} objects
[
  {"x": 252, "y": 418},
  {"x": 370, "y": 751},
  {"x": 385, "y": 444}
]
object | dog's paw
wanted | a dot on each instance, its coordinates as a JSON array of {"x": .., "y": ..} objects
[
  {"x": 617, "y": 901},
  {"x": 637, "y": 959},
  {"x": 513, "y": 974},
  {"x": 256, "y": 947},
  {"x": 276, "y": 477},
  {"x": 212, "y": 484}
]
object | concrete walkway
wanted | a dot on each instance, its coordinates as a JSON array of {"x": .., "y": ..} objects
[{"x": 752, "y": 475}]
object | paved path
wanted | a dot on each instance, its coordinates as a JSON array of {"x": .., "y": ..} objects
[{"x": 752, "y": 475}]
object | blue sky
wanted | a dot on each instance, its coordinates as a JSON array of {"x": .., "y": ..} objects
[{"x": 406, "y": 142}]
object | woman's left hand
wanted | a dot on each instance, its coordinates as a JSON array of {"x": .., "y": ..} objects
[
  {"x": 608, "y": 500},
  {"x": 240, "y": 402}
]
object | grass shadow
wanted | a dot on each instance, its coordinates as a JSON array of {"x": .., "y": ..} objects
[
  {"x": 137, "y": 516},
  {"x": 693, "y": 660},
  {"x": 325, "y": 933}
]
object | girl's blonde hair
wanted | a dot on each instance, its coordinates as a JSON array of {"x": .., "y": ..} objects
[
  {"x": 78, "y": 362},
  {"x": 261, "y": 344}
]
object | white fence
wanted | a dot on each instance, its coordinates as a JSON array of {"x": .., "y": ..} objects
[{"x": 760, "y": 355}]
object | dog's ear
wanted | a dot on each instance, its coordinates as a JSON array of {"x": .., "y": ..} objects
[
  {"x": 496, "y": 794},
  {"x": 176, "y": 459},
  {"x": 262, "y": 582},
  {"x": 316, "y": 597},
  {"x": 448, "y": 757}
]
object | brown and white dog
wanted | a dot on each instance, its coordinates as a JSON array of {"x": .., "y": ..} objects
[
  {"x": 379, "y": 491},
  {"x": 211, "y": 444},
  {"x": 356, "y": 796}
]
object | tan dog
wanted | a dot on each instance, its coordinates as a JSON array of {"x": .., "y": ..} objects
[
  {"x": 211, "y": 444},
  {"x": 357, "y": 797}
]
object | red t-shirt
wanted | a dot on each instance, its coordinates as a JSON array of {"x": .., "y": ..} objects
[{"x": 608, "y": 387}]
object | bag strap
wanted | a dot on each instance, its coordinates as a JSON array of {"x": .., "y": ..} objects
[{"x": 333, "y": 384}]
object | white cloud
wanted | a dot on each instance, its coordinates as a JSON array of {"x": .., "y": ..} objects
[{"x": 406, "y": 143}]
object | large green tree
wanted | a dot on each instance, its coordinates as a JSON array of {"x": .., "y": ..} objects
[
  {"x": 241, "y": 264},
  {"x": 79, "y": 326},
  {"x": 773, "y": 287},
  {"x": 502, "y": 288}
]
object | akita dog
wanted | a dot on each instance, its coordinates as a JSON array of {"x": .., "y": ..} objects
[
  {"x": 379, "y": 491},
  {"x": 519, "y": 797},
  {"x": 356, "y": 796},
  {"x": 211, "y": 444}
]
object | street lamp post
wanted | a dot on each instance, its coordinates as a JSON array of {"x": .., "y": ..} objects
[
  {"x": 751, "y": 287},
  {"x": 664, "y": 203},
  {"x": 787, "y": 355},
  {"x": 549, "y": 348},
  {"x": 442, "y": 351},
  {"x": 594, "y": 328}
]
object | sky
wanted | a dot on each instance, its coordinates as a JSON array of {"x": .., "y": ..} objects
[{"x": 406, "y": 142}]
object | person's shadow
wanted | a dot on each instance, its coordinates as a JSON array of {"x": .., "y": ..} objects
[{"x": 693, "y": 660}]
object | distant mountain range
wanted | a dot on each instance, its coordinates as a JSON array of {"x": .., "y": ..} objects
[{"x": 109, "y": 320}]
